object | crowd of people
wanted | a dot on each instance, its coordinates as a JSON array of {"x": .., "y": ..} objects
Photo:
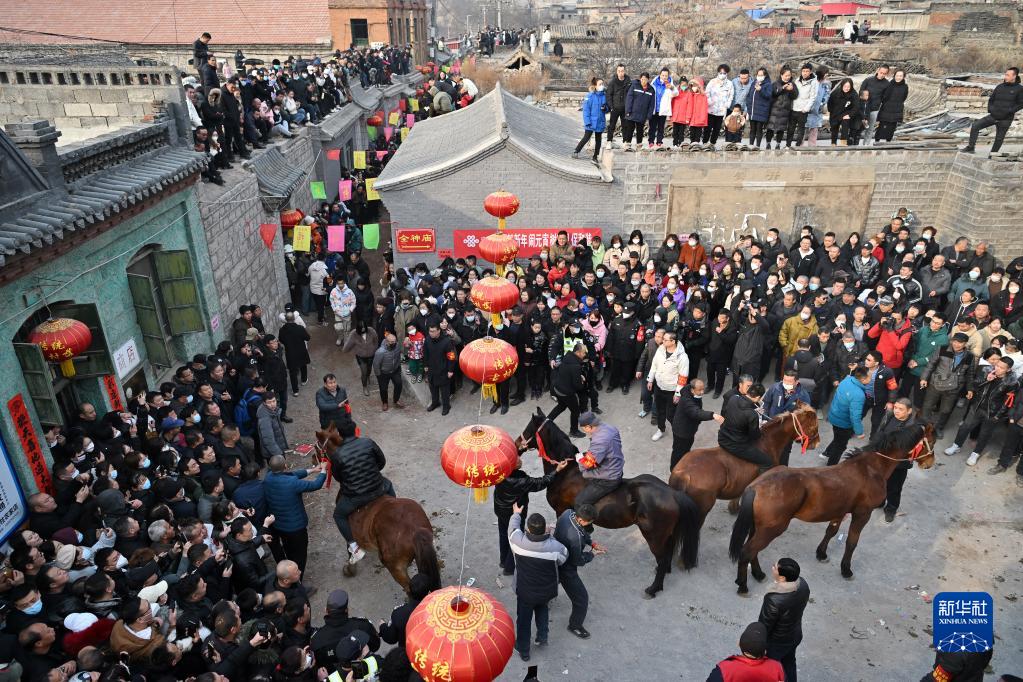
[{"x": 790, "y": 109}]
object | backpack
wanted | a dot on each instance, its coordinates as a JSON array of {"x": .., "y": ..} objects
[{"x": 245, "y": 412}]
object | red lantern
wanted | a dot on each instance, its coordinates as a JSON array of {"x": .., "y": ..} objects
[
  {"x": 374, "y": 121},
  {"x": 61, "y": 340},
  {"x": 499, "y": 248},
  {"x": 459, "y": 635},
  {"x": 478, "y": 457},
  {"x": 489, "y": 361},
  {"x": 492, "y": 294},
  {"x": 291, "y": 217},
  {"x": 501, "y": 205}
]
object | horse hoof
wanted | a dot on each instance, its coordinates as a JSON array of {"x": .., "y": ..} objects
[
  {"x": 823, "y": 558},
  {"x": 759, "y": 577},
  {"x": 733, "y": 506},
  {"x": 348, "y": 570},
  {"x": 847, "y": 574},
  {"x": 742, "y": 591},
  {"x": 647, "y": 594}
]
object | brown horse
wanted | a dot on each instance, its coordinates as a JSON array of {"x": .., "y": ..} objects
[
  {"x": 711, "y": 474},
  {"x": 666, "y": 517},
  {"x": 396, "y": 527},
  {"x": 822, "y": 494}
]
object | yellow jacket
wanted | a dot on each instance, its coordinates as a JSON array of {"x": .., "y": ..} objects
[{"x": 793, "y": 330}]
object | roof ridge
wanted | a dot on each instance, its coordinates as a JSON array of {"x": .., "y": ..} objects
[{"x": 502, "y": 120}]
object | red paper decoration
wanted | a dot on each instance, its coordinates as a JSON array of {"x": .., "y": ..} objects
[
  {"x": 501, "y": 205},
  {"x": 291, "y": 217},
  {"x": 374, "y": 120},
  {"x": 61, "y": 340}
]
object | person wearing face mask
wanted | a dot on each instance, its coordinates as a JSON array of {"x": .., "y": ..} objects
[
  {"x": 614, "y": 254},
  {"x": 639, "y": 107},
  {"x": 386, "y": 367},
  {"x": 785, "y": 396},
  {"x": 667, "y": 254},
  {"x": 783, "y": 94},
  {"x": 692, "y": 255},
  {"x": 795, "y": 328},
  {"x": 720, "y": 94},
  {"x": 892, "y": 108},
  {"x": 624, "y": 341}
]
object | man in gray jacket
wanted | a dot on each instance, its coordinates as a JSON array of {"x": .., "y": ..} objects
[
  {"x": 603, "y": 464},
  {"x": 271, "y": 431},
  {"x": 387, "y": 369},
  {"x": 537, "y": 558}
]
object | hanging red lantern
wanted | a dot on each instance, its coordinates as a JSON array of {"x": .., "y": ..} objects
[
  {"x": 478, "y": 457},
  {"x": 488, "y": 361},
  {"x": 501, "y": 205},
  {"x": 374, "y": 120},
  {"x": 459, "y": 635},
  {"x": 492, "y": 294},
  {"x": 291, "y": 217},
  {"x": 499, "y": 248},
  {"x": 61, "y": 340}
]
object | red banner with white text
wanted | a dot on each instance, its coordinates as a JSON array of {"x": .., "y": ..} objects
[{"x": 530, "y": 240}]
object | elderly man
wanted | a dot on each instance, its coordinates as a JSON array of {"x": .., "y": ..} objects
[
  {"x": 935, "y": 281},
  {"x": 603, "y": 464}
]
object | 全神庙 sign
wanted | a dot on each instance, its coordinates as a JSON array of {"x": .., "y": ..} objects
[
  {"x": 415, "y": 240},
  {"x": 530, "y": 240}
]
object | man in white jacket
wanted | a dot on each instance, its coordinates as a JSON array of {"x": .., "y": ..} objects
[
  {"x": 806, "y": 97},
  {"x": 342, "y": 302},
  {"x": 317, "y": 274},
  {"x": 668, "y": 375}
]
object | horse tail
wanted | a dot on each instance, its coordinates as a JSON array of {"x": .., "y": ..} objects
[
  {"x": 426, "y": 557},
  {"x": 744, "y": 525},
  {"x": 687, "y": 530}
]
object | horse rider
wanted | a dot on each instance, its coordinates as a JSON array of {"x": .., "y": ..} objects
[
  {"x": 603, "y": 464},
  {"x": 894, "y": 420},
  {"x": 740, "y": 432},
  {"x": 356, "y": 464}
]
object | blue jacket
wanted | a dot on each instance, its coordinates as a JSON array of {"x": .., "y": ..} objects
[
  {"x": 250, "y": 494},
  {"x": 639, "y": 103},
  {"x": 284, "y": 498},
  {"x": 658, "y": 91},
  {"x": 776, "y": 402},
  {"x": 740, "y": 92},
  {"x": 847, "y": 406},
  {"x": 594, "y": 107},
  {"x": 816, "y": 117},
  {"x": 758, "y": 104}
]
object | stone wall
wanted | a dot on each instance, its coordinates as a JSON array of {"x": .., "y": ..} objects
[{"x": 88, "y": 96}]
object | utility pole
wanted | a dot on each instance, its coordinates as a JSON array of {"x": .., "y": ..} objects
[
  {"x": 467, "y": 31},
  {"x": 433, "y": 29},
  {"x": 484, "y": 8},
  {"x": 498, "y": 14}
]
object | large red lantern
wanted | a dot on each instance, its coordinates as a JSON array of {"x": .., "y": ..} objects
[
  {"x": 478, "y": 457},
  {"x": 459, "y": 635},
  {"x": 291, "y": 217},
  {"x": 374, "y": 120},
  {"x": 61, "y": 340},
  {"x": 489, "y": 361},
  {"x": 492, "y": 294},
  {"x": 501, "y": 205},
  {"x": 499, "y": 248}
]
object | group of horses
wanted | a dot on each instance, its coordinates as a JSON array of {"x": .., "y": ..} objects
[{"x": 670, "y": 515}]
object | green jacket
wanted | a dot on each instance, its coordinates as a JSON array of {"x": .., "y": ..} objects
[{"x": 925, "y": 342}]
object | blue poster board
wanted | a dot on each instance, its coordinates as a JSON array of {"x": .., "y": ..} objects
[{"x": 13, "y": 509}]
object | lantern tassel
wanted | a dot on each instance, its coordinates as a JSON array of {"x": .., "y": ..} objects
[
  {"x": 67, "y": 368},
  {"x": 500, "y": 223},
  {"x": 496, "y": 319},
  {"x": 480, "y": 495},
  {"x": 490, "y": 391}
]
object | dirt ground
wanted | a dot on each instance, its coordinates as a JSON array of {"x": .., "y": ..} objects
[{"x": 958, "y": 530}]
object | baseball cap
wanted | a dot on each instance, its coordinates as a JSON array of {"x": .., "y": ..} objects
[
  {"x": 350, "y": 647},
  {"x": 171, "y": 423},
  {"x": 587, "y": 419}
]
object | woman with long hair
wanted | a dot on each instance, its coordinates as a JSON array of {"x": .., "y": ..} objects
[
  {"x": 782, "y": 96},
  {"x": 842, "y": 111},
  {"x": 893, "y": 107}
]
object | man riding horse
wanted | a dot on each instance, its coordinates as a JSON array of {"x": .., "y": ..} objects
[
  {"x": 356, "y": 464},
  {"x": 603, "y": 464},
  {"x": 741, "y": 430}
]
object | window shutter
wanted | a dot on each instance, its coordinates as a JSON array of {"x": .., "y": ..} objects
[
  {"x": 96, "y": 361},
  {"x": 39, "y": 380},
  {"x": 148, "y": 317},
  {"x": 180, "y": 293}
]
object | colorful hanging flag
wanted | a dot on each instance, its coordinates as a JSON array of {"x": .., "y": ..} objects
[
  {"x": 410, "y": 120},
  {"x": 301, "y": 238},
  {"x": 388, "y": 133},
  {"x": 392, "y": 118},
  {"x": 336, "y": 238},
  {"x": 445, "y": 68},
  {"x": 344, "y": 190},
  {"x": 381, "y": 155},
  {"x": 414, "y": 104},
  {"x": 370, "y": 233},
  {"x": 402, "y": 104},
  {"x": 359, "y": 160},
  {"x": 333, "y": 155},
  {"x": 372, "y": 132},
  {"x": 317, "y": 190},
  {"x": 404, "y": 134},
  {"x": 267, "y": 232},
  {"x": 371, "y": 194}
]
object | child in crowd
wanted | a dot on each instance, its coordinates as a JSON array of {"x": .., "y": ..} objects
[
  {"x": 734, "y": 123},
  {"x": 414, "y": 351},
  {"x": 681, "y": 106},
  {"x": 862, "y": 118}
]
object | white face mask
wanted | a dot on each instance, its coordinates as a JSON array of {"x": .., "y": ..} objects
[
  {"x": 1014, "y": 289},
  {"x": 900, "y": 248},
  {"x": 635, "y": 283},
  {"x": 122, "y": 561},
  {"x": 90, "y": 447},
  {"x": 996, "y": 278},
  {"x": 722, "y": 75},
  {"x": 671, "y": 243},
  {"x": 798, "y": 286},
  {"x": 760, "y": 79},
  {"x": 805, "y": 316},
  {"x": 692, "y": 242},
  {"x": 788, "y": 387},
  {"x": 974, "y": 274},
  {"x": 635, "y": 240},
  {"x": 600, "y": 88},
  {"x": 848, "y": 344}
]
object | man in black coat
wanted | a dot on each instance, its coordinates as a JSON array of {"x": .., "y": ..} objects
[
  {"x": 201, "y": 51},
  {"x": 392, "y": 630},
  {"x": 357, "y": 464},
  {"x": 740, "y": 430},
  {"x": 275, "y": 372},
  {"x": 782, "y": 613},
  {"x": 337, "y": 625},
  {"x": 689, "y": 413},
  {"x": 294, "y": 337},
  {"x": 514, "y": 490},
  {"x": 621, "y": 349},
  {"x": 617, "y": 87},
  {"x": 439, "y": 361},
  {"x": 568, "y": 382},
  {"x": 1005, "y": 100}
]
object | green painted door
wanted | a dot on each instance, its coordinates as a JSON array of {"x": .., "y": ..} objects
[
  {"x": 180, "y": 293},
  {"x": 147, "y": 313},
  {"x": 39, "y": 380}
]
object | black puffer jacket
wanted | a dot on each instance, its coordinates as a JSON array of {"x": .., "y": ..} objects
[
  {"x": 616, "y": 91},
  {"x": 781, "y": 105},
  {"x": 782, "y": 613},
  {"x": 357, "y": 464},
  {"x": 249, "y": 569},
  {"x": 569, "y": 377},
  {"x": 1005, "y": 101},
  {"x": 893, "y": 103},
  {"x": 516, "y": 489}
]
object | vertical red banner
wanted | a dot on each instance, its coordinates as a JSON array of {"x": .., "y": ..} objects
[
  {"x": 30, "y": 443},
  {"x": 113, "y": 392}
]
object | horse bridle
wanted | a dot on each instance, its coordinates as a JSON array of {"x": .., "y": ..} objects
[
  {"x": 801, "y": 435},
  {"x": 536, "y": 436},
  {"x": 914, "y": 454}
]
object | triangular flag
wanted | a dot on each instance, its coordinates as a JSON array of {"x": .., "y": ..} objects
[
  {"x": 388, "y": 133},
  {"x": 381, "y": 155},
  {"x": 371, "y": 194},
  {"x": 301, "y": 238},
  {"x": 267, "y": 232},
  {"x": 414, "y": 103},
  {"x": 392, "y": 118},
  {"x": 344, "y": 190},
  {"x": 359, "y": 160},
  {"x": 333, "y": 155},
  {"x": 336, "y": 238},
  {"x": 370, "y": 234},
  {"x": 410, "y": 120},
  {"x": 372, "y": 132},
  {"x": 317, "y": 190},
  {"x": 404, "y": 134}
]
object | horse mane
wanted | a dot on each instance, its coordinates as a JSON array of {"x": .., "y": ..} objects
[
  {"x": 556, "y": 441},
  {"x": 902, "y": 440}
]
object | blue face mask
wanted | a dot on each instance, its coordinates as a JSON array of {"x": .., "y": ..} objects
[
  {"x": 144, "y": 464},
  {"x": 147, "y": 485},
  {"x": 814, "y": 287},
  {"x": 34, "y": 608}
]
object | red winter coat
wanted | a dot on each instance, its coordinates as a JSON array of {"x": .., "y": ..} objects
[
  {"x": 742, "y": 669},
  {"x": 698, "y": 106},
  {"x": 892, "y": 344},
  {"x": 681, "y": 107}
]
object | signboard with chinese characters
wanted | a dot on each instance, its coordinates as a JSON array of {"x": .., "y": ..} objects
[
  {"x": 12, "y": 499},
  {"x": 530, "y": 240},
  {"x": 126, "y": 358},
  {"x": 415, "y": 240},
  {"x": 30, "y": 443}
]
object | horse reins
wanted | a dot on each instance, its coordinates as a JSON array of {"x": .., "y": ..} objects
[
  {"x": 540, "y": 450},
  {"x": 914, "y": 454},
  {"x": 801, "y": 435}
]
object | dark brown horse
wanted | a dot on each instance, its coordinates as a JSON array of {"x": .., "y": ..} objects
[
  {"x": 711, "y": 474},
  {"x": 396, "y": 527},
  {"x": 666, "y": 517},
  {"x": 822, "y": 494}
]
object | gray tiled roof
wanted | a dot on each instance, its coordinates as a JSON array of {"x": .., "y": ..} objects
[
  {"x": 99, "y": 197},
  {"x": 276, "y": 176},
  {"x": 444, "y": 144}
]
